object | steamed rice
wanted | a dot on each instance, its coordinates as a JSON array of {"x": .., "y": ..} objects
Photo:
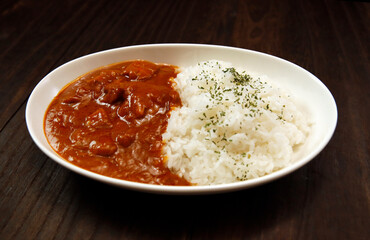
[{"x": 231, "y": 127}]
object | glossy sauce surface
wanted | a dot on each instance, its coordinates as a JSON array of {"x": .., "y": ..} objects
[{"x": 110, "y": 121}]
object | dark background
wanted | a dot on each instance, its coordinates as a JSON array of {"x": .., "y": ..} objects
[{"x": 329, "y": 198}]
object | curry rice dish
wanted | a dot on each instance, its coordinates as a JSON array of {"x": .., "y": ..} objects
[{"x": 144, "y": 122}]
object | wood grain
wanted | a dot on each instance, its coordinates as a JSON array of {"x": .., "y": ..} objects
[{"x": 327, "y": 199}]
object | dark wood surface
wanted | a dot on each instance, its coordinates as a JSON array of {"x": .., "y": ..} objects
[{"x": 329, "y": 198}]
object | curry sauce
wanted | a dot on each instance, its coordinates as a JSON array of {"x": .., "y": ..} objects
[{"x": 110, "y": 121}]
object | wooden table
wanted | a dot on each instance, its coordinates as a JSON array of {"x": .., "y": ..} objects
[{"x": 329, "y": 198}]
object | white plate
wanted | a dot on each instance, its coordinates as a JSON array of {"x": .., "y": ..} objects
[{"x": 309, "y": 90}]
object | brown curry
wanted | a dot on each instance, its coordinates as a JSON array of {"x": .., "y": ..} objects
[{"x": 110, "y": 121}]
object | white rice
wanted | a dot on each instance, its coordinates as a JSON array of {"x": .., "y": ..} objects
[{"x": 228, "y": 131}]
